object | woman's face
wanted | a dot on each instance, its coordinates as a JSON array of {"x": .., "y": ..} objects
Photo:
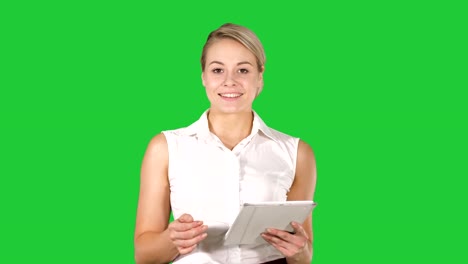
[{"x": 231, "y": 77}]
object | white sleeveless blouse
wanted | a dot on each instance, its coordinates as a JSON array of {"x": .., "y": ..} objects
[{"x": 210, "y": 182}]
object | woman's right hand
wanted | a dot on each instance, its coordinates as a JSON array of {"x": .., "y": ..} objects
[{"x": 186, "y": 233}]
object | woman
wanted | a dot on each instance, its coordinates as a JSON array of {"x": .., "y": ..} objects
[{"x": 204, "y": 172}]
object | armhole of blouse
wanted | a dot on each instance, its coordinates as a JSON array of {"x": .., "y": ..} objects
[
  {"x": 167, "y": 136},
  {"x": 296, "y": 154}
]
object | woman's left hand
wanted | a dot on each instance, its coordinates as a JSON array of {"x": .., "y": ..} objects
[{"x": 294, "y": 246}]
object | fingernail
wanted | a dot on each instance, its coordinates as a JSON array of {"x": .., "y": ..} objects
[{"x": 269, "y": 230}]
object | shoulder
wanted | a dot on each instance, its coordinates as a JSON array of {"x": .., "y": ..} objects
[
  {"x": 305, "y": 153},
  {"x": 157, "y": 145},
  {"x": 176, "y": 132},
  {"x": 305, "y": 178},
  {"x": 286, "y": 141},
  {"x": 276, "y": 135},
  {"x": 189, "y": 130},
  {"x": 158, "y": 140},
  {"x": 306, "y": 169},
  {"x": 281, "y": 135},
  {"x": 305, "y": 162},
  {"x": 304, "y": 150}
]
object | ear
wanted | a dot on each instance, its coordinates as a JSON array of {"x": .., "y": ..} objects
[
  {"x": 203, "y": 78},
  {"x": 260, "y": 81}
]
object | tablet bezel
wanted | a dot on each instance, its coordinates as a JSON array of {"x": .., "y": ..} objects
[{"x": 258, "y": 216}]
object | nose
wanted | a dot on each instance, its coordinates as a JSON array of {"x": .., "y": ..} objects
[{"x": 229, "y": 80}]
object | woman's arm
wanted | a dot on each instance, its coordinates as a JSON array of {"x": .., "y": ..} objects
[
  {"x": 303, "y": 188},
  {"x": 152, "y": 242},
  {"x": 298, "y": 247},
  {"x": 157, "y": 241}
]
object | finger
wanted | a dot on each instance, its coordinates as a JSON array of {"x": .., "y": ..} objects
[
  {"x": 300, "y": 236},
  {"x": 292, "y": 243},
  {"x": 185, "y": 222},
  {"x": 180, "y": 227},
  {"x": 188, "y": 234},
  {"x": 187, "y": 243},
  {"x": 186, "y": 250},
  {"x": 284, "y": 235},
  {"x": 299, "y": 229},
  {"x": 281, "y": 238},
  {"x": 272, "y": 240}
]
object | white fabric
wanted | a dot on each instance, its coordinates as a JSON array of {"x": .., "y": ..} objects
[{"x": 210, "y": 182}]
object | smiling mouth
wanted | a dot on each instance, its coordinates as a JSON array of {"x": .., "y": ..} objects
[{"x": 230, "y": 95}]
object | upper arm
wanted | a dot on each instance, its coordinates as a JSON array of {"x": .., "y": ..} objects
[
  {"x": 303, "y": 186},
  {"x": 154, "y": 201}
]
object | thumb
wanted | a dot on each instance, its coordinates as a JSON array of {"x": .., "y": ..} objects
[
  {"x": 298, "y": 229},
  {"x": 185, "y": 218}
]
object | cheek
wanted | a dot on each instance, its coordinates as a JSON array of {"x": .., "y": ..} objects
[
  {"x": 251, "y": 82},
  {"x": 210, "y": 86},
  {"x": 212, "y": 82}
]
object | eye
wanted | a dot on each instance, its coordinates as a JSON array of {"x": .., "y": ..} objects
[
  {"x": 217, "y": 70},
  {"x": 244, "y": 71}
]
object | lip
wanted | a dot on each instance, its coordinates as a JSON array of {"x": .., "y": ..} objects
[{"x": 230, "y": 99}]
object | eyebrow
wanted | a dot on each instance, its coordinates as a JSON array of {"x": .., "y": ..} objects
[{"x": 240, "y": 63}]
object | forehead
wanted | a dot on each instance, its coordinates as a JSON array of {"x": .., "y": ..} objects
[{"x": 229, "y": 50}]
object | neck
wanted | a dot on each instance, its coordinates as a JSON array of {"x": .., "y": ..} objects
[{"x": 230, "y": 128}]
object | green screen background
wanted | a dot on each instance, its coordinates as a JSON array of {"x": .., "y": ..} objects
[{"x": 377, "y": 88}]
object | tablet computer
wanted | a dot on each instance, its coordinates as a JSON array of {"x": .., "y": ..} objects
[{"x": 254, "y": 218}]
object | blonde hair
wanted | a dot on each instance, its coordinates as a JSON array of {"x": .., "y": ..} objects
[{"x": 241, "y": 34}]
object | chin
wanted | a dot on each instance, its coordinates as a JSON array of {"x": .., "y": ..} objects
[{"x": 231, "y": 109}]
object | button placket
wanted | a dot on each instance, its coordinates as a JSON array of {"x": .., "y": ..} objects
[
  {"x": 239, "y": 178},
  {"x": 234, "y": 255},
  {"x": 235, "y": 181}
]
